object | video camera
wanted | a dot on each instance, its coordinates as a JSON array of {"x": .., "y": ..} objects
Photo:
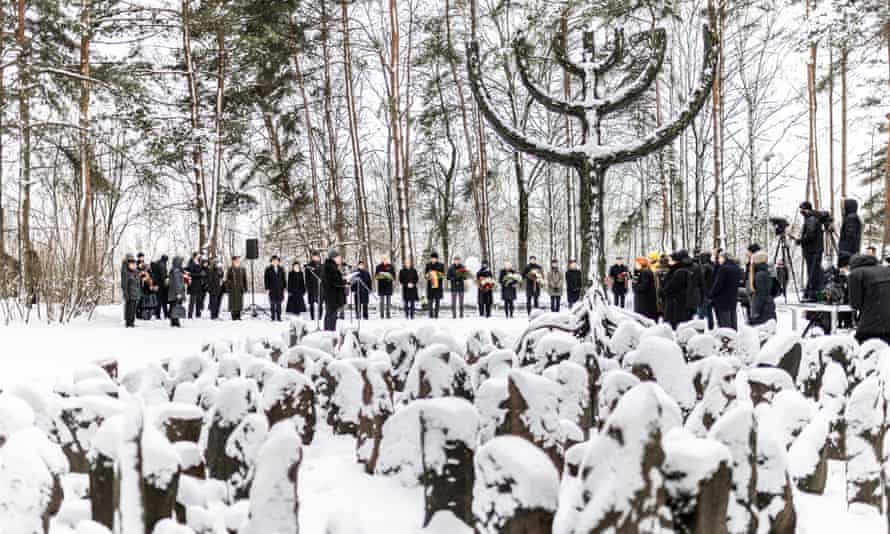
[
  {"x": 824, "y": 217},
  {"x": 780, "y": 224}
]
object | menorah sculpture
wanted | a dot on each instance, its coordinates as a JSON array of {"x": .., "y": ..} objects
[{"x": 592, "y": 158}]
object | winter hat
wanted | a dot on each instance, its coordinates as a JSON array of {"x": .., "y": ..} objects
[
  {"x": 164, "y": 258},
  {"x": 806, "y": 205},
  {"x": 753, "y": 248},
  {"x": 333, "y": 253},
  {"x": 843, "y": 259},
  {"x": 760, "y": 257},
  {"x": 434, "y": 255}
]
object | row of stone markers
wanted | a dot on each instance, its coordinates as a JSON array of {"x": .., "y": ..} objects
[{"x": 591, "y": 421}]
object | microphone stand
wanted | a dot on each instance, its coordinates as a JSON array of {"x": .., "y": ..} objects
[{"x": 317, "y": 294}]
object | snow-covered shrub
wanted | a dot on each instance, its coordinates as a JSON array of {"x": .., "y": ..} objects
[
  {"x": 274, "y": 503},
  {"x": 290, "y": 395},
  {"x": 661, "y": 360},
  {"x": 516, "y": 488},
  {"x": 622, "y": 482},
  {"x": 431, "y": 442},
  {"x": 698, "y": 481}
]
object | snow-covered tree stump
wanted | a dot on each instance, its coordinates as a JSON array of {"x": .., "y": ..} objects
[
  {"x": 290, "y": 395},
  {"x": 865, "y": 436},
  {"x": 516, "y": 488},
  {"x": 432, "y": 442},
  {"x": 274, "y": 502}
]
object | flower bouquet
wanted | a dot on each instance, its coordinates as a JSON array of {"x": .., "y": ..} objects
[
  {"x": 535, "y": 276},
  {"x": 433, "y": 276},
  {"x": 463, "y": 273},
  {"x": 511, "y": 279},
  {"x": 384, "y": 276},
  {"x": 486, "y": 283}
]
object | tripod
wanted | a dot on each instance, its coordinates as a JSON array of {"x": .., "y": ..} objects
[{"x": 787, "y": 266}]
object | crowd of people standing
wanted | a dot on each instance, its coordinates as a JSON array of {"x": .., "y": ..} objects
[{"x": 323, "y": 288}]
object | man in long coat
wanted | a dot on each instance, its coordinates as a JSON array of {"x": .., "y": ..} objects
[
  {"x": 275, "y": 283},
  {"x": 236, "y": 287}
]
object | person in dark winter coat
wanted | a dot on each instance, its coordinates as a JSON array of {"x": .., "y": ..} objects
[
  {"x": 148, "y": 302},
  {"x": 334, "y": 289},
  {"x": 763, "y": 306},
  {"x": 385, "y": 274},
  {"x": 485, "y": 284},
  {"x": 131, "y": 288},
  {"x": 361, "y": 289},
  {"x": 850, "y": 238},
  {"x": 215, "y": 288},
  {"x": 812, "y": 244},
  {"x": 296, "y": 288},
  {"x": 676, "y": 289},
  {"x": 408, "y": 279},
  {"x": 706, "y": 269},
  {"x": 198, "y": 287},
  {"x": 179, "y": 280},
  {"x": 236, "y": 287},
  {"x": 312, "y": 275},
  {"x": 645, "y": 298},
  {"x": 159, "y": 275},
  {"x": 555, "y": 280},
  {"x": 724, "y": 292},
  {"x": 434, "y": 272},
  {"x": 509, "y": 281},
  {"x": 456, "y": 276},
  {"x": 574, "y": 283},
  {"x": 534, "y": 277},
  {"x": 869, "y": 291},
  {"x": 661, "y": 269},
  {"x": 694, "y": 292},
  {"x": 618, "y": 279},
  {"x": 275, "y": 284}
]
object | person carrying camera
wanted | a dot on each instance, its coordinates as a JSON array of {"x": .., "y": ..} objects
[
  {"x": 869, "y": 291},
  {"x": 812, "y": 245}
]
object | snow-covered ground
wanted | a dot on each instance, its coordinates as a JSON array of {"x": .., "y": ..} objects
[{"x": 336, "y": 495}]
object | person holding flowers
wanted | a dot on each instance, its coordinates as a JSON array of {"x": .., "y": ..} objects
[
  {"x": 509, "y": 280},
  {"x": 435, "y": 278},
  {"x": 408, "y": 278},
  {"x": 385, "y": 274},
  {"x": 485, "y": 283},
  {"x": 554, "y": 285},
  {"x": 533, "y": 276},
  {"x": 457, "y": 276}
]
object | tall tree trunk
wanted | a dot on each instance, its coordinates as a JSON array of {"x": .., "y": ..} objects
[
  {"x": 214, "y": 208},
  {"x": 812, "y": 163},
  {"x": 395, "y": 119},
  {"x": 310, "y": 141},
  {"x": 522, "y": 234},
  {"x": 716, "y": 95},
  {"x": 571, "y": 250},
  {"x": 831, "y": 129},
  {"x": 2, "y": 106},
  {"x": 25, "y": 127},
  {"x": 86, "y": 199},
  {"x": 364, "y": 228},
  {"x": 333, "y": 163},
  {"x": 197, "y": 153},
  {"x": 844, "y": 55},
  {"x": 406, "y": 123}
]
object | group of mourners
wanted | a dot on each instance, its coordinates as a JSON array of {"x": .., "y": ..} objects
[
  {"x": 677, "y": 287},
  {"x": 154, "y": 289}
]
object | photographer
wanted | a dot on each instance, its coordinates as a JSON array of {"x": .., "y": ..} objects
[
  {"x": 850, "y": 239},
  {"x": 869, "y": 291},
  {"x": 812, "y": 245}
]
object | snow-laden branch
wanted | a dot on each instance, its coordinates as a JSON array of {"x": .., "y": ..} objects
[
  {"x": 601, "y": 67},
  {"x": 645, "y": 80},
  {"x": 562, "y": 56},
  {"x": 554, "y": 104}
]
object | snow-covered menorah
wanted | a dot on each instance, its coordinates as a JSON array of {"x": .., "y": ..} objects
[{"x": 592, "y": 421}]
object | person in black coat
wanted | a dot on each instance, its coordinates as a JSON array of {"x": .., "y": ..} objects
[
  {"x": 159, "y": 275},
  {"x": 724, "y": 292},
  {"x": 408, "y": 279},
  {"x": 361, "y": 289},
  {"x": 869, "y": 290},
  {"x": 197, "y": 271},
  {"x": 574, "y": 283},
  {"x": 131, "y": 286},
  {"x": 534, "y": 277},
  {"x": 435, "y": 276},
  {"x": 456, "y": 282},
  {"x": 334, "y": 289},
  {"x": 385, "y": 274},
  {"x": 812, "y": 244},
  {"x": 676, "y": 288},
  {"x": 618, "y": 278},
  {"x": 850, "y": 239},
  {"x": 312, "y": 275},
  {"x": 645, "y": 293},
  {"x": 763, "y": 306},
  {"x": 509, "y": 280},
  {"x": 215, "y": 288},
  {"x": 485, "y": 283},
  {"x": 275, "y": 284},
  {"x": 296, "y": 288},
  {"x": 706, "y": 270}
]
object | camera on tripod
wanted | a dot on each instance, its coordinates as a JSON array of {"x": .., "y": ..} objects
[
  {"x": 824, "y": 217},
  {"x": 780, "y": 224}
]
